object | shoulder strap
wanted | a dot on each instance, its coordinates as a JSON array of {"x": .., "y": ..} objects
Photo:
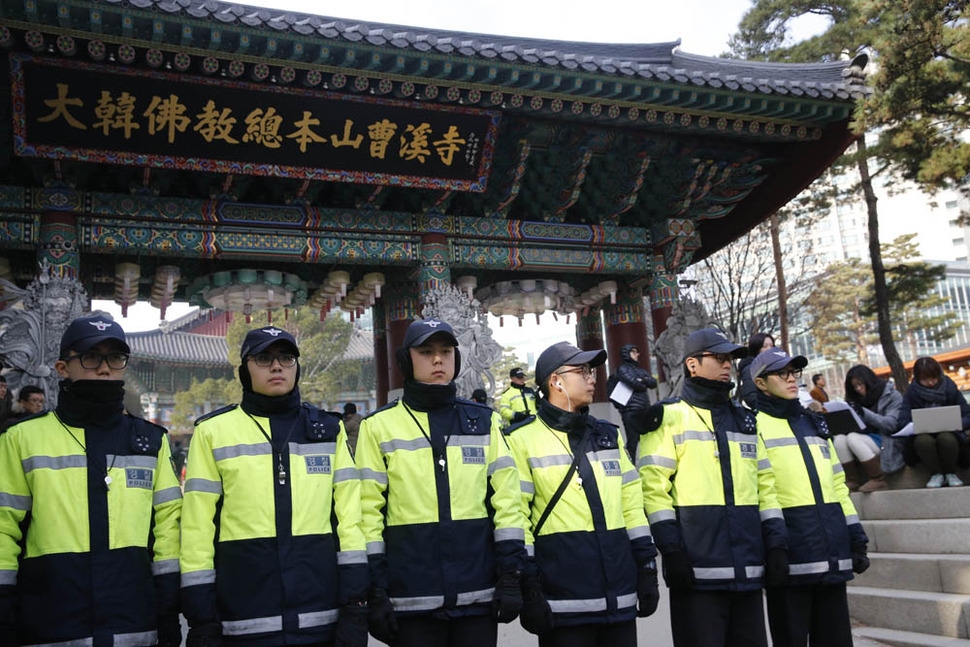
[{"x": 565, "y": 483}]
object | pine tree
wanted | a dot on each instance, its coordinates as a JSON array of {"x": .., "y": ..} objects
[{"x": 841, "y": 329}]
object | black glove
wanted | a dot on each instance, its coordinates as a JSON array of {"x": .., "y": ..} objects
[
  {"x": 776, "y": 567},
  {"x": 352, "y": 626},
  {"x": 519, "y": 416},
  {"x": 678, "y": 572},
  {"x": 169, "y": 632},
  {"x": 648, "y": 593},
  {"x": 536, "y": 615},
  {"x": 508, "y": 597},
  {"x": 380, "y": 617},
  {"x": 207, "y": 635},
  {"x": 860, "y": 558}
]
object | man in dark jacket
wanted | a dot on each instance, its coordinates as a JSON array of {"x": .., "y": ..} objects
[{"x": 639, "y": 380}]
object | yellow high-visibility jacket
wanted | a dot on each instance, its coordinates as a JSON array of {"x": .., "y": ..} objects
[
  {"x": 82, "y": 562},
  {"x": 821, "y": 521},
  {"x": 709, "y": 490},
  {"x": 596, "y": 537},
  {"x": 436, "y": 533},
  {"x": 515, "y": 400},
  {"x": 272, "y": 561}
]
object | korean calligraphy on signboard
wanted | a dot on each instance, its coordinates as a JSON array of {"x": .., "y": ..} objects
[{"x": 88, "y": 112}]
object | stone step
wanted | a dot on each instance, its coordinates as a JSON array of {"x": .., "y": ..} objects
[
  {"x": 916, "y": 477},
  {"x": 940, "y": 614},
  {"x": 934, "y": 572},
  {"x": 918, "y": 535},
  {"x": 898, "y": 638},
  {"x": 943, "y": 503}
]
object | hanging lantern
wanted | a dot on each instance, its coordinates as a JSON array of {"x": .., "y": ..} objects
[
  {"x": 126, "y": 285},
  {"x": 364, "y": 294},
  {"x": 164, "y": 287}
]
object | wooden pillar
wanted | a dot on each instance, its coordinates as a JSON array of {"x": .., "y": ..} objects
[
  {"x": 435, "y": 269},
  {"x": 380, "y": 352},
  {"x": 400, "y": 309},
  {"x": 589, "y": 336},
  {"x": 625, "y": 325},
  {"x": 59, "y": 244}
]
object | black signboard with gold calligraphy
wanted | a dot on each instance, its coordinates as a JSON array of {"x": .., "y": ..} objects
[{"x": 82, "y": 111}]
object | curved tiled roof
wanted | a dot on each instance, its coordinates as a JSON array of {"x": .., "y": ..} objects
[
  {"x": 360, "y": 347},
  {"x": 659, "y": 61},
  {"x": 211, "y": 350},
  {"x": 179, "y": 348}
]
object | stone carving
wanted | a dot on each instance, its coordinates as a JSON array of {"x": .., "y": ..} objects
[
  {"x": 30, "y": 335},
  {"x": 479, "y": 352},
  {"x": 687, "y": 315}
]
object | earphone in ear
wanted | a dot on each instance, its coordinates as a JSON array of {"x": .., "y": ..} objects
[{"x": 559, "y": 386}]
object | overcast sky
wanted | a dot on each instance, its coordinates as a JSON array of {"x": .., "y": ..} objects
[{"x": 703, "y": 26}]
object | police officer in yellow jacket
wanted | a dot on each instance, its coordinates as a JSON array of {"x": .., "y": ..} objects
[
  {"x": 826, "y": 542},
  {"x": 710, "y": 498},
  {"x": 441, "y": 508},
  {"x": 594, "y": 570},
  {"x": 272, "y": 550},
  {"x": 89, "y": 510},
  {"x": 517, "y": 402}
]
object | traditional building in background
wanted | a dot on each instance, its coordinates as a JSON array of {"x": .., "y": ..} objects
[
  {"x": 165, "y": 361},
  {"x": 249, "y": 159}
]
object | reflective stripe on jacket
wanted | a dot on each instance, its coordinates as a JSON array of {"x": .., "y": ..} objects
[
  {"x": 271, "y": 561},
  {"x": 514, "y": 401},
  {"x": 709, "y": 490},
  {"x": 436, "y": 534},
  {"x": 596, "y": 536},
  {"x": 95, "y": 564},
  {"x": 810, "y": 484}
]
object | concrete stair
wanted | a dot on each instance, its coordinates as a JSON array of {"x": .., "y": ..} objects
[{"x": 917, "y": 589}]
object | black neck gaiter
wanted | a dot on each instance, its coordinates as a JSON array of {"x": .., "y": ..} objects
[
  {"x": 428, "y": 397},
  {"x": 571, "y": 422},
  {"x": 706, "y": 393},
  {"x": 84, "y": 403},
  {"x": 265, "y": 406},
  {"x": 779, "y": 407}
]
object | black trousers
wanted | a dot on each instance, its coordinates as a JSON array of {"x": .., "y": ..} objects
[
  {"x": 620, "y": 634},
  {"x": 815, "y": 614},
  {"x": 717, "y": 619},
  {"x": 426, "y": 631}
]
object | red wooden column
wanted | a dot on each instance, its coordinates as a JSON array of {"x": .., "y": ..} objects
[
  {"x": 380, "y": 352},
  {"x": 663, "y": 295},
  {"x": 589, "y": 336},
  {"x": 625, "y": 325},
  {"x": 400, "y": 309},
  {"x": 435, "y": 270}
]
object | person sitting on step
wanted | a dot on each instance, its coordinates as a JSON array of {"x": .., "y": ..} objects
[{"x": 941, "y": 452}]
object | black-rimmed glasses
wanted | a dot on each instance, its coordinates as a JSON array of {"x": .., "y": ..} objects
[
  {"x": 92, "y": 361},
  {"x": 286, "y": 360},
  {"x": 787, "y": 373},
  {"x": 585, "y": 371},
  {"x": 720, "y": 358}
]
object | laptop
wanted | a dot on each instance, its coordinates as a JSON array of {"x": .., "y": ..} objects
[
  {"x": 933, "y": 420},
  {"x": 841, "y": 422}
]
